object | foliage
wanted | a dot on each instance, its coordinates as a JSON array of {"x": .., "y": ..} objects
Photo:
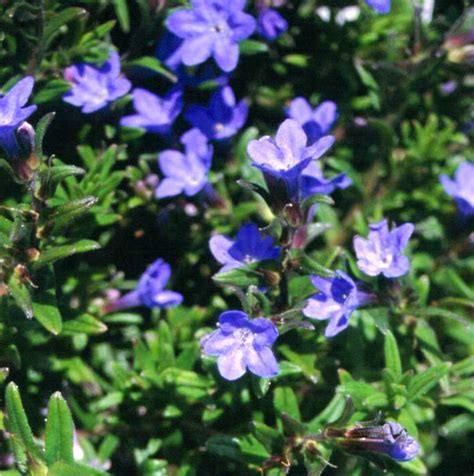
[{"x": 129, "y": 390}]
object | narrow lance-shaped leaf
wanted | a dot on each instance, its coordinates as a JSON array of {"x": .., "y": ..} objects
[
  {"x": 18, "y": 426},
  {"x": 422, "y": 383},
  {"x": 392, "y": 356},
  {"x": 41, "y": 129},
  {"x": 54, "y": 253},
  {"x": 45, "y": 306},
  {"x": 59, "y": 431}
]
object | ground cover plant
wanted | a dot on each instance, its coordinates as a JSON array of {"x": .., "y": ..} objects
[{"x": 236, "y": 237}]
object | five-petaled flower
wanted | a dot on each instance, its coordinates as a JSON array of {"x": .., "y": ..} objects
[
  {"x": 150, "y": 290},
  {"x": 248, "y": 247},
  {"x": 153, "y": 113},
  {"x": 380, "y": 6},
  {"x": 461, "y": 188},
  {"x": 241, "y": 343},
  {"x": 185, "y": 172},
  {"x": 13, "y": 113},
  {"x": 338, "y": 297},
  {"x": 382, "y": 251},
  {"x": 390, "y": 439},
  {"x": 314, "y": 182},
  {"x": 287, "y": 155},
  {"x": 94, "y": 87},
  {"x": 315, "y": 122},
  {"x": 270, "y": 24},
  {"x": 223, "y": 118},
  {"x": 212, "y": 28}
]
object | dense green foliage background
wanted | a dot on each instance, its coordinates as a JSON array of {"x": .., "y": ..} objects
[{"x": 142, "y": 398}]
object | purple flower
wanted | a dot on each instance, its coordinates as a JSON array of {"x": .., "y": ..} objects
[
  {"x": 185, "y": 173},
  {"x": 154, "y": 114},
  {"x": 94, "y": 87},
  {"x": 315, "y": 122},
  {"x": 287, "y": 155},
  {"x": 248, "y": 247},
  {"x": 382, "y": 251},
  {"x": 390, "y": 439},
  {"x": 314, "y": 182},
  {"x": 461, "y": 188},
  {"x": 241, "y": 343},
  {"x": 150, "y": 291},
  {"x": 380, "y": 6},
  {"x": 223, "y": 118},
  {"x": 270, "y": 24},
  {"x": 212, "y": 28},
  {"x": 338, "y": 297},
  {"x": 12, "y": 113}
]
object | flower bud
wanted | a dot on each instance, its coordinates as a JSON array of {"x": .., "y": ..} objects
[
  {"x": 25, "y": 161},
  {"x": 390, "y": 439}
]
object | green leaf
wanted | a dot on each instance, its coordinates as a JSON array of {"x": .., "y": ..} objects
[
  {"x": 150, "y": 62},
  {"x": 56, "y": 24},
  {"x": 24, "y": 447},
  {"x": 63, "y": 215},
  {"x": 40, "y": 130},
  {"x": 54, "y": 253},
  {"x": 51, "y": 90},
  {"x": 253, "y": 47},
  {"x": 45, "y": 307},
  {"x": 242, "y": 277},
  {"x": 285, "y": 401},
  {"x": 53, "y": 175},
  {"x": 422, "y": 383},
  {"x": 121, "y": 10},
  {"x": 392, "y": 356},
  {"x": 270, "y": 438},
  {"x": 59, "y": 431},
  {"x": 21, "y": 294},
  {"x": 84, "y": 324},
  {"x": 61, "y": 468}
]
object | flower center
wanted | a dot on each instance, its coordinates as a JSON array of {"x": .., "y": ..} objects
[
  {"x": 243, "y": 336},
  {"x": 248, "y": 259},
  {"x": 219, "y": 27}
]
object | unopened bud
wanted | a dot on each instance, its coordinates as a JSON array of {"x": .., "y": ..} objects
[{"x": 390, "y": 439}]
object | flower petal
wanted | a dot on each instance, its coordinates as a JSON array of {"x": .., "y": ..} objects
[
  {"x": 217, "y": 343},
  {"x": 196, "y": 50},
  {"x": 261, "y": 361},
  {"x": 219, "y": 246},
  {"x": 231, "y": 365}
]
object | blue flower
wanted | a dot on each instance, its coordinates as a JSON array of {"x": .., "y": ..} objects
[
  {"x": 314, "y": 182},
  {"x": 212, "y": 28},
  {"x": 270, "y": 24},
  {"x": 94, "y": 87},
  {"x": 382, "y": 251},
  {"x": 287, "y": 155},
  {"x": 338, "y": 297},
  {"x": 248, "y": 247},
  {"x": 461, "y": 188},
  {"x": 150, "y": 291},
  {"x": 185, "y": 173},
  {"x": 380, "y": 6},
  {"x": 154, "y": 114},
  {"x": 223, "y": 118},
  {"x": 13, "y": 113},
  {"x": 315, "y": 122},
  {"x": 241, "y": 343}
]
